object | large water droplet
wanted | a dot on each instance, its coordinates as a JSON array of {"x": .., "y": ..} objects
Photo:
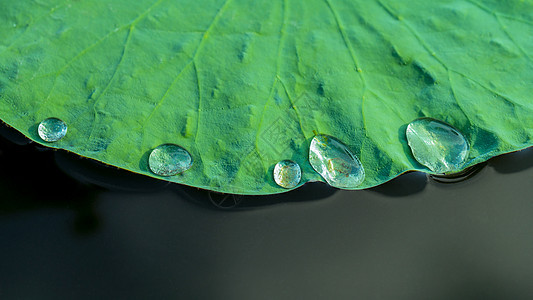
[
  {"x": 169, "y": 160},
  {"x": 52, "y": 130},
  {"x": 437, "y": 145},
  {"x": 287, "y": 174},
  {"x": 335, "y": 162}
]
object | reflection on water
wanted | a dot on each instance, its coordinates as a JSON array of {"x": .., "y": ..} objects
[
  {"x": 459, "y": 176},
  {"x": 88, "y": 176},
  {"x": 72, "y": 228},
  {"x": 404, "y": 185},
  {"x": 12, "y": 135},
  {"x": 95, "y": 173},
  {"x": 311, "y": 191},
  {"x": 513, "y": 162}
]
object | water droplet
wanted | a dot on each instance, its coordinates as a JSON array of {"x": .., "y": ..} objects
[
  {"x": 52, "y": 130},
  {"x": 287, "y": 174},
  {"x": 335, "y": 162},
  {"x": 437, "y": 145},
  {"x": 169, "y": 160}
]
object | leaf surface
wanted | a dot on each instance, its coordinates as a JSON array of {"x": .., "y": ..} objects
[{"x": 245, "y": 84}]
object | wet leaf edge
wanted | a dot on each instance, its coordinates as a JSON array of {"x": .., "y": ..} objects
[{"x": 33, "y": 136}]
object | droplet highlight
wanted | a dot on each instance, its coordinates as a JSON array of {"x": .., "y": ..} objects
[
  {"x": 335, "y": 162},
  {"x": 52, "y": 130},
  {"x": 169, "y": 160},
  {"x": 437, "y": 145},
  {"x": 287, "y": 174}
]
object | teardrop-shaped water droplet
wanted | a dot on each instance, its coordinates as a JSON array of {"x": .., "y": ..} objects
[
  {"x": 335, "y": 162},
  {"x": 169, "y": 160},
  {"x": 287, "y": 174},
  {"x": 52, "y": 130},
  {"x": 437, "y": 145}
]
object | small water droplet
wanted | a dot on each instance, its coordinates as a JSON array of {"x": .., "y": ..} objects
[
  {"x": 52, "y": 130},
  {"x": 437, "y": 145},
  {"x": 169, "y": 160},
  {"x": 335, "y": 162},
  {"x": 287, "y": 174}
]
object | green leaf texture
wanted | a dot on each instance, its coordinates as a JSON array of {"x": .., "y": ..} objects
[{"x": 243, "y": 84}]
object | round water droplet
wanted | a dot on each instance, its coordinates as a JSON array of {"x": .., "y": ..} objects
[
  {"x": 52, "y": 130},
  {"x": 335, "y": 162},
  {"x": 437, "y": 145},
  {"x": 287, "y": 174},
  {"x": 169, "y": 160}
]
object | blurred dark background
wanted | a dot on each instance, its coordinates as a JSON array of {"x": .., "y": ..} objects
[{"x": 71, "y": 228}]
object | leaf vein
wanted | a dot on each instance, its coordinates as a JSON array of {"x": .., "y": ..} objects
[
  {"x": 276, "y": 75},
  {"x": 54, "y": 9},
  {"x": 87, "y": 49},
  {"x": 189, "y": 63},
  {"x": 115, "y": 71}
]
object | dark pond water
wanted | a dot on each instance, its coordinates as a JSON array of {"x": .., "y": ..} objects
[{"x": 71, "y": 229}]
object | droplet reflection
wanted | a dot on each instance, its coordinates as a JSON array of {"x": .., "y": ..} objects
[
  {"x": 437, "y": 145},
  {"x": 287, "y": 174},
  {"x": 52, "y": 130},
  {"x": 169, "y": 160},
  {"x": 335, "y": 162}
]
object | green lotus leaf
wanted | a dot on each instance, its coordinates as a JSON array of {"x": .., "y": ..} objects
[{"x": 243, "y": 84}]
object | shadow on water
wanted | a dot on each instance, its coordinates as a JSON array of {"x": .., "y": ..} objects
[
  {"x": 415, "y": 182},
  {"x": 89, "y": 171},
  {"x": 513, "y": 162},
  {"x": 13, "y": 135},
  {"x": 39, "y": 184},
  {"x": 404, "y": 185},
  {"x": 311, "y": 191},
  {"x": 95, "y": 173},
  {"x": 62, "y": 179},
  {"x": 459, "y": 176}
]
